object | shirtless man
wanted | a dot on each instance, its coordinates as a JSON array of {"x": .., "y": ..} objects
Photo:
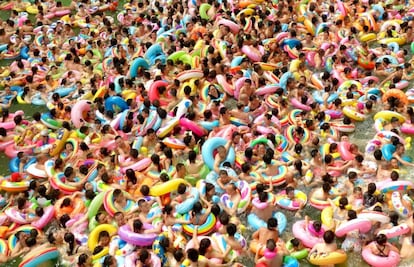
[
  {"x": 267, "y": 212},
  {"x": 150, "y": 140},
  {"x": 247, "y": 88},
  {"x": 271, "y": 169},
  {"x": 329, "y": 245},
  {"x": 235, "y": 198},
  {"x": 322, "y": 193},
  {"x": 121, "y": 147},
  {"x": 194, "y": 259},
  {"x": 399, "y": 152},
  {"x": 264, "y": 234},
  {"x": 224, "y": 116},
  {"x": 225, "y": 179},
  {"x": 221, "y": 156}
]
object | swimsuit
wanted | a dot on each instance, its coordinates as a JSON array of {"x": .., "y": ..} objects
[{"x": 381, "y": 251}]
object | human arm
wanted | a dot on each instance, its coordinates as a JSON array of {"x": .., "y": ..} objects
[
  {"x": 402, "y": 161},
  {"x": 217, "y": 163}
]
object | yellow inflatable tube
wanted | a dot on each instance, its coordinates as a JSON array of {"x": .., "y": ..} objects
[
  {"x": 327, "y": 259},
  {"x": 167, "y": 187},
  {"x": 353, "y": 114},
  {"x": 388, "y": 114},
  {"x": 398, "y": 40},
  {"x": 94, "y": 238},
  {"x": 367, "y": 37}
]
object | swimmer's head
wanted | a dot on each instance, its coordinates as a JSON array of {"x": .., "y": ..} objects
[
  {"x": 231, "y": 188},
  {"x": 394, "y": 176},
  {"x": 272, "y": 224},
  {"x": 221, "y": 150},
  {"x": 264, "y": 197},
  {"x": 381, "y": 239},
  {"x": 343, "y": 202},
  {"x": 144, "y": 190},
  {"x": 290, "y": 192},
  {"x": 329, "y": 237},
  {"x": 182, "y": 188},
  {"x": 231, "y": 229},
  {"x": 326, "y": 187},
  {"x": 223, "y": 173},
  {"x": 271, "y": 244},
  {"x": 317, "y": 225},
  {"x": 371, "y": 188},
  {"x": 352, "y": 214},
  {"x": 352, "y": 176}
]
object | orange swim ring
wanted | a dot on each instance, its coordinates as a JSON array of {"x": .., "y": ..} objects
[{"x": 397, "y": 93}]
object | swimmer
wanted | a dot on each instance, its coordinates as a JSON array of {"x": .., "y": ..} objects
[
  {"x": 324, "y": 248},
  {"x": 235, "y": 198},
  {"x": 381, "y": 247},
  {"x": 274, "y": 259},
  {"x": 221, "y": 155}
]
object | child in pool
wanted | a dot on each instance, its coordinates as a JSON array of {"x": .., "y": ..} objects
[
  {"x": 138, "y": 227},
  {"x": 271, "y": 169},
  {"x": 352, "y": 241},
  {"x": 339, "y": 213},
  {"x": 290, "y": 193},
  {"x": 194, "y": 166},
  {"x": 272, "y": 257},
  {"x": 297, "y": 246},
  {"x": 183, "y": 194},
  {"x": 120, "y": 199},
  {"x": 197, "y": 216},
  {"x": 314, "y": 229},
  {"x": 246, "y": 168},
  {"x": 169, "y": 218},
  {"x": 267, "y": 211},
  {"x": 208, "y": 197},
  {"x": 380, "y": 247}
]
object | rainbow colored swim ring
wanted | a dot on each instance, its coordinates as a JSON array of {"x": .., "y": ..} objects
[
  {"x": 203, "y": 229},
  {"x": 110, "y": 205}
]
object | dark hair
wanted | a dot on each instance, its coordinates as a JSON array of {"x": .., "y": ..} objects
[
  {"x": 231, "y": 229},
  {"x": 70, "y": 239},
  {"x": 271, "y": 223},
  {"x": 329, "y": 237},
  {"x": 192, "y": 254}
]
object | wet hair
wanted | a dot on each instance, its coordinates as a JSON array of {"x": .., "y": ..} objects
[
  {"x": 343, "y": 202},
  {"x": 352, "y": 214},
  {"x": 70, "y": 239},
  {"x": 144, "y": 190},
  {"x": 381, "y": 239},
  {"x": 329, "y": 237},
  {"x": 394, "y": 176},
  {"x": 371, "y": 188},
  {"x": 144, "y": 255},
  {"x": 178, "y": 254},
  {"x": 271, "y": 223},
  {"x": 317, "y": 225},
  {"x": 182, "y": 188},
  {"x": 231, "y": 229}
]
